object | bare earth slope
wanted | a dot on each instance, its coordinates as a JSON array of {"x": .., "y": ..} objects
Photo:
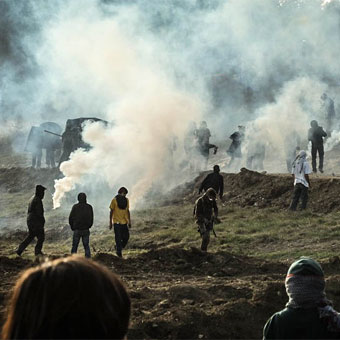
[{"x": 177, "y": 291}]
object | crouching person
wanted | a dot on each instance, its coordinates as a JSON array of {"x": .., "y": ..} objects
[
  {"x": 203, "y": 212},
  {"x": 81, "y": 220},
  {"x": 308, "y": 313},
  {"x": 68, "y": 298}
]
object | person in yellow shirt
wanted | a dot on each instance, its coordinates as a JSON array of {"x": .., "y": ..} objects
[{"x": 120, "y": 218}]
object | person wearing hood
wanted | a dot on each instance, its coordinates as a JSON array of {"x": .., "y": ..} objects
[
  {"x": 315, "y": 136},
  {"x": 35, "y": 222},
  {"x": 308, "y": 313},
  {"x": 300, "y": 172},
  {"x": 81, "y": 220},
  {"x": 121, "y": 220}
]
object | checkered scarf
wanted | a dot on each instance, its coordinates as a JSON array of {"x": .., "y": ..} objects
[{"x": 308, "y": 292}]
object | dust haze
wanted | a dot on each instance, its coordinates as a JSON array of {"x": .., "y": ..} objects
[{"x": 150, "y": 68}]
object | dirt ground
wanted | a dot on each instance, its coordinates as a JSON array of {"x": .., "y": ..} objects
[{"x": 183, "y": 293}]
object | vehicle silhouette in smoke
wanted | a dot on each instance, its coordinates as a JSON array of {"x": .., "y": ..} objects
[
  {"x": 39, "y": 139},
  {"x": 71, "y": 138}
]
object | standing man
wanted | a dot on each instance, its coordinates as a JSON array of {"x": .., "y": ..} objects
[
  {"x": 213, "y": 180},
  {"x": 300, "y": 171},
  {"x": 35, "y": 222},
  {"x": 81, "y": 220},
  {"x": 315, "y": 135},
  {"x": 120, "y": 217},
  {"x": 203, "y": 212}
]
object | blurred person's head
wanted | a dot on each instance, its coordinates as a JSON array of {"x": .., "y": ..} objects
[
  {"x": 123, "y": 191},
  {"x": 40, "y": 191},
  {"x": 68, "y": 298},
  {"x": 216, "y": 168},
  {"x": 314, "y": 124},
  {"x": 210, "y": 194},
  {"x": 82, "y": 197},
  {"x": 203, "y": 124}
]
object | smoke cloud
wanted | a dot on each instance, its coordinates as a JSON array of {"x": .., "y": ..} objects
[{"x": 151, "y": 67}]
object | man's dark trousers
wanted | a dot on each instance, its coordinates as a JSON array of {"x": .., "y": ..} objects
[
  {"x": 299, "y": 191},
  {"x": 39, "y": 233},
  {"x": 84, "y": 235},
  {"x": 121, "y": 236},
  {"x": 317, "y": 148}
]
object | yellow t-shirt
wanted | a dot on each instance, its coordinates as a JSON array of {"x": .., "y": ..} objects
[{"x": 120, "y": 216}]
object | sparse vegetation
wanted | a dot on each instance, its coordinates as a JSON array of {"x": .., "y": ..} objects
[{"x": 177, "y": 291}]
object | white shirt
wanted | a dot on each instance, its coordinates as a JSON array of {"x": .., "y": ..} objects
[{"x": 300, "y": 173}]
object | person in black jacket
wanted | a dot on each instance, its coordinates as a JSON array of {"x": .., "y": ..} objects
[
  {"x": 81, "y": 220},
  {"x": 35, "y": 222},
  {"x": 213, "y": 180},
  {"x": 315, "y": 135}
]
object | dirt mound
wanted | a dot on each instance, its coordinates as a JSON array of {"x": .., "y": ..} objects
[{"x": 250, "y": 188}]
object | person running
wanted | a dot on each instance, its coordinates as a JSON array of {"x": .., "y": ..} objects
[
  {"x": 35, "y": 222},
  {"x": 121, "y": 220},
  {"x": 81, "y": 220}
]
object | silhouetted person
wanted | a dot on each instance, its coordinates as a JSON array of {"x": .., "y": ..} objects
[
  {"x": 68, "y": 298},
  {"x": 35, "y": 222},
  {"x": 81, "y": 220},
  {"x": 237, "y": 138},
  {"x": 205, "y": 212},
  {"x": 191, "y": 144},
  {"x": 213, "y": 180},
  {"x": 316, "y": 135},
  {"x": 120, "y": 217},
  {"x": 308, "y": 313},
  {"x": 203, "y": 139},
  {"x": 256, "y": 155},
  {"x": 300, "y": 172}
]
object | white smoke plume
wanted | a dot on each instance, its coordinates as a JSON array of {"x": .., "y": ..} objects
[{"x": 143, "y": 65}]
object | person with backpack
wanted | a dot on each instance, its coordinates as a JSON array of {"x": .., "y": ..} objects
[
  {"x": 81, "y": 220},
  {"x": 121, "y": 220},
  {"x": 205, "y": 212}
]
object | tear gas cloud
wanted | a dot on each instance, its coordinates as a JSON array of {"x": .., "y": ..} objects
[{"x": 152, "y": 66}]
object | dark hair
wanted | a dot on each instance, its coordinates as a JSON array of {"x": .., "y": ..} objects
[
  {"x": 211, "y": 193},
  {"x": 68, "y": 298},
  {"x": 122, "y": 190}
]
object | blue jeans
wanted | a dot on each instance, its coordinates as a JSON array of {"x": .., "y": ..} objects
[
  {"x": 84, "y": 235},
  {"x": 122, "y": 236}
]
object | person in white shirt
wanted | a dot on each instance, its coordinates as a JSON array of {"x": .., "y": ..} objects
[{"x": 300, "y": 172}]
